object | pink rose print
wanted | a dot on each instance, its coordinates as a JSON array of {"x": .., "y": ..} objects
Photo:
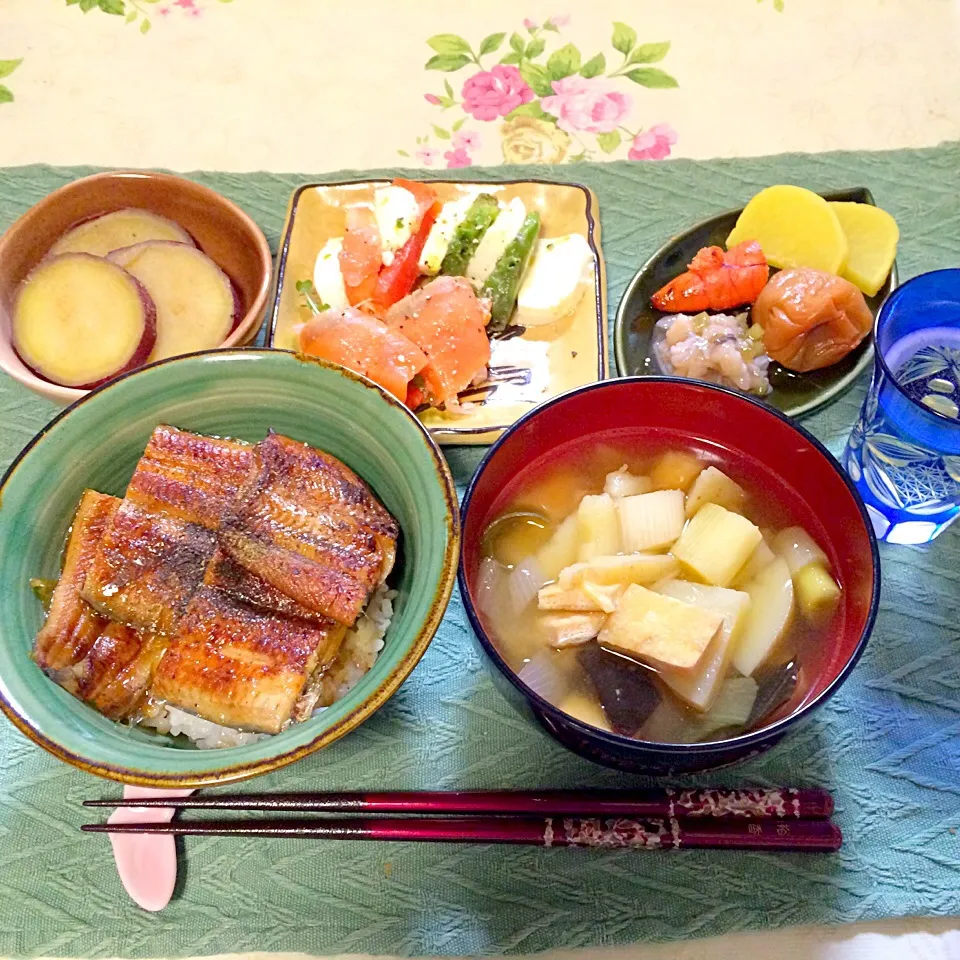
[
  {"x": 529, "y": 24},
  {"x": 457, "y": 158},
  {"x": 186, "y": 4},
  {"x": 653, "y": 144},
  {"x": 469, "y": 140},
  {"x": 587, "y": 105},
  {"x": 559, "y": 20},
  {"x": 494, "y": 93},
  {"x": 431, "y": 98},
  {"x": 427, "y": 156}
]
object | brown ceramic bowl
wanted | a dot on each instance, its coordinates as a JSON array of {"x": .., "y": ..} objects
[{"x": 218, "y": 226}]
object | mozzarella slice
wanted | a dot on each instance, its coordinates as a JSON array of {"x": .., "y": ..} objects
[
  {"x": 396, "y": 212},
  {"x": 553, "y": 284},
  {"x": 327, "y": 278},
  {"x": 495, "y": 240},
  {"x": 441, "y": 233}
]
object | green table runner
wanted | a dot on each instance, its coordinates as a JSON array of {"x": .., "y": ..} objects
[{"x": 886, "y": 745}]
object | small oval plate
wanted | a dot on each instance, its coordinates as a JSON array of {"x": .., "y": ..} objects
[{"x": 795, "y": 394}]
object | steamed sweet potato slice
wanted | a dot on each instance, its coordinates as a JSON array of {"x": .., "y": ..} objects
[
  {"x": 122, "y": 228},
  {"x": 196, "y": 305},
  {"x": 79, "y": 320}
]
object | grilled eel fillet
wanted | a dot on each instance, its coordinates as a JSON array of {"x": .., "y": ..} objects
[
  {"x": 117, "y": 670},
  {"x": 107, "y": 664},
  {"x": 147, "y": 568},
  {"x": 311, "y": 528},
  {"x": 241, "y": 667},
  {"x": 190, "y": 477},
  {"x": 71, "y": 626}
]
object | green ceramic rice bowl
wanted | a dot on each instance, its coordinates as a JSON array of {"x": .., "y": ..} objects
[{"x": 242, "y": 394}]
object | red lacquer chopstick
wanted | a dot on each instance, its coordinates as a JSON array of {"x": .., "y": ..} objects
[
  {"x": 757, "y": 803},
  {"x": 611, "y": 833}
]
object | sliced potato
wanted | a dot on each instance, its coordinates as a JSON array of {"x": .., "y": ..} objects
[
  {"x": 659, "y": 629},
  {"x": 599, "y": 526},
  {"x": 761, "y": 557},
  {"x": 561, "y": 549},
  {"x": 79, "y": 320},
  {"x": 581, "y": 706},
  {"x": 769, "y": 616},
  {"x": 675, "y": 470},
  {"x": 715, "y": 544},
  {"x": 700, "y": 686},
  {"x": 714, "y": 486},
  {"x": 122, "y": 228},
  {"x": 196, "y": 306}
]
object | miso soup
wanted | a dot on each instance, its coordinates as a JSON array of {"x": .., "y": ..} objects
[{"x": 668, "y": 593}]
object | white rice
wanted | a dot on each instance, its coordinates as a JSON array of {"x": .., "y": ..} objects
[
  {"x": 206, "y": 734},
  {"x": 359, "y": 649},
  {"x": 356, "y": 656}
]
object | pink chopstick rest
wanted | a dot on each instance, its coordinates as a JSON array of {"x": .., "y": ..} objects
[{"x": 147, "y": 863}]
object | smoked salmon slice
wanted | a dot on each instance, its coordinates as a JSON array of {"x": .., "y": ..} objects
[
  {"x": 365, "y": 345},
  {"x": 447, "y": 321},
  {"x": 360, "y": 255}
]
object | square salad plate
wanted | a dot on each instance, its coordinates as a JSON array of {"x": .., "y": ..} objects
[{"x": 546, "y": 347}]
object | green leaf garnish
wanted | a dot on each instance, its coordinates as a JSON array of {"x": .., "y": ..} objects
[{"x": 307, "y": 290}]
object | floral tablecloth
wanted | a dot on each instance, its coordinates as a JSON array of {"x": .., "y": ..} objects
[{"x": 301, "y": 85}]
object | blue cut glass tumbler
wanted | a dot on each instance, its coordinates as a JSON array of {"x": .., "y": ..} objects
[{"x": 904, "y": 451}]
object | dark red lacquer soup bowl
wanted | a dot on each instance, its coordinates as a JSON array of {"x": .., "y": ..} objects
[{"x": 778, "y": 461}]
